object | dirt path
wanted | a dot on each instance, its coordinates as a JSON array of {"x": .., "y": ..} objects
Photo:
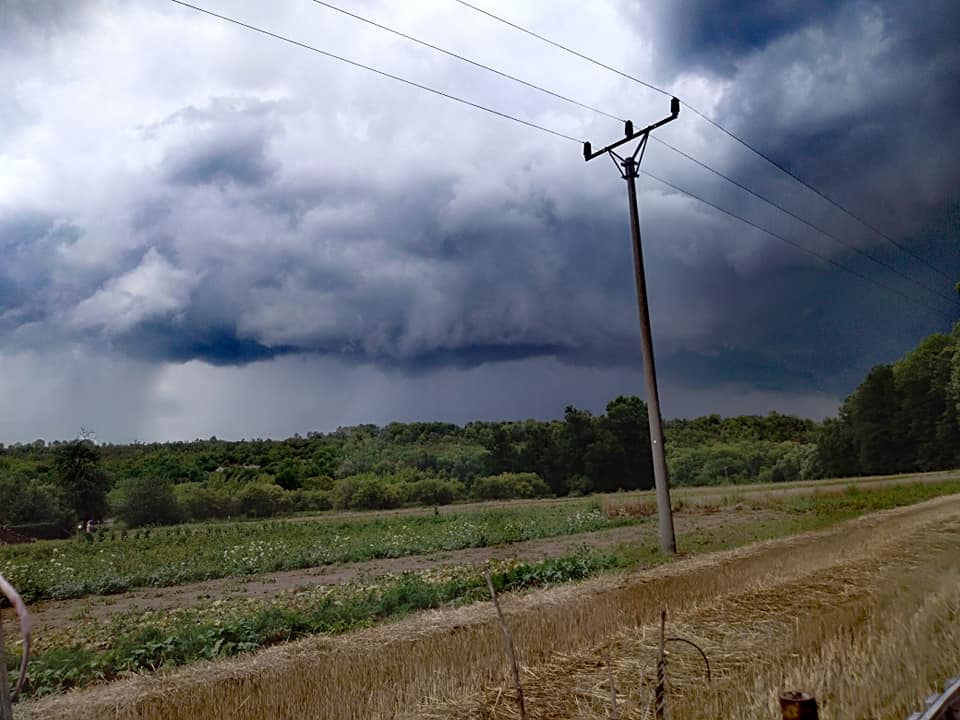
[
  {"x": 453, "y": 658},
  {"x": 62, "y": 613}
]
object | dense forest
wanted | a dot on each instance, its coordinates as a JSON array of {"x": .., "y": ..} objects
[{"x": 904, "y": 417}]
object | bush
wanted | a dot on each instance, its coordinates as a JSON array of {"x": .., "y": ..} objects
[
  {"x": 319, "y": 482},
  {"x": 433, "y": 491},
  {"x": 580, "y": 485},
  {"x": 145, "y": 501},
  {"x": 263, "y": 500},
  {"x": 311, "y": 500},
  {"x": 366, "y": 492},
  {"x": 198, "y": 502},
  {"x": 26, "y": 502},
  {"x": 510, "y": 485}
]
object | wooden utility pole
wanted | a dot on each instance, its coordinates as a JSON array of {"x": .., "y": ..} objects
[{"x": 629, "y": 169}]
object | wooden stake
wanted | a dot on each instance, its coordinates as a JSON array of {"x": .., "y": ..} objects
[
  {"x": 614, "y": 715},
  {"x": 660, "y": 691},
  {"x": 508, "y": 640}
]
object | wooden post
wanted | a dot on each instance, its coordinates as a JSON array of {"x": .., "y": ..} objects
[
  {"x": 660, "y": 691},
  {"x": 798, "y": 705}
]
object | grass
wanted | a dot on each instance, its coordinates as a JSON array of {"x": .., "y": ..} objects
[{"x": 93, "y": 651}]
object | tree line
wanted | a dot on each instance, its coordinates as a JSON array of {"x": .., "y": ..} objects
[{"x": 903, "y": 417}]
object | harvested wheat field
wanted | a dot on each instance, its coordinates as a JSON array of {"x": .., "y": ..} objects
[{"x": 865, "y": 615}]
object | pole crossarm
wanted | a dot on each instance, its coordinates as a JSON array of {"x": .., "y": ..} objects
[{"x": 630, "y": 134}]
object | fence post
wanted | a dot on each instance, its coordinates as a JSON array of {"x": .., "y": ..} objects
[{"x": 798, "y": 705}]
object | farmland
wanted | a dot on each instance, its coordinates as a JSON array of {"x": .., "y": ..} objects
[{"x": 376, "y": 578}]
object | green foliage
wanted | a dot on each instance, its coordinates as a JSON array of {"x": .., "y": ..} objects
[
  {"x": 902, "y": 418},
  {"x": 580, "y": 485},
  {"x": 742, "y": 462},
  {"x": 196, "y": 501},
  {"x": 24, "y": 501},
  {"x": 366, "y": 492},
  {"x": 510, "y": 485},
  {"x": 263, "y": 500},
  {"x": 744, "y": 428},
  {"x": 312, "y": 500},
  {"x": 182, "y": 554},
  {"x": 400, "y": 464},
  {"x": 433, "y": 491},
  {"x": 82, "y": 480},
  {"x": 290, "y": 475},
  {"x": 145, "y": 501}
]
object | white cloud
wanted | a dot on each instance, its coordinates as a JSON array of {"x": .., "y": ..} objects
[{"x": 154, "y": 288}]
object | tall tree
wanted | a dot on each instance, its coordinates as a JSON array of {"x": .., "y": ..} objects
[
  {"x": 922, "y": 379},
  {"x": 873, "y": 410},
  {"x": 79, "y": 475}
]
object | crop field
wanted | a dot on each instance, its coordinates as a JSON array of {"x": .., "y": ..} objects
[{"x": 780, "y": 585}]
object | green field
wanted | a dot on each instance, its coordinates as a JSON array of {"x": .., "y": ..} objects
[
  {"x": 89, "y": 650},
  {"x": 114, "y": 562}
]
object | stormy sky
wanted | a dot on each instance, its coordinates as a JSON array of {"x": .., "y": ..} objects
[{"x": 206, "y": 231}]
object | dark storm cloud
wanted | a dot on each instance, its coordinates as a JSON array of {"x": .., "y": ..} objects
[
  {"x": 712, "y": 35},
  {"x": 23, "y": 19},
  {"x": 369, "y": 226},
  {"x": 241, "y": 158},
  {"x": 183, "y": 341}
]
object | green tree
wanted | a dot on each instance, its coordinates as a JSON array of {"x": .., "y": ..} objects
[
  {"x": 925, "y": 418},
  {"x": 84, "y": 483},
  {"x": 629, "y": 460},
  {"x": 25, "y": 501},
  {"x": 873, "y": 410},
  {"x": 145, "y": 501}
]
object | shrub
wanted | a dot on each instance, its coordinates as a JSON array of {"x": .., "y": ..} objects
[
  {"x": 510, "y": 485},
  {"x": 311, "y": 500},
  {"x": 433, "y": 491},
  {"x": 25, "y": 502},
  {"x": 263, "y": 500},
  {"x": 145, "y": 501},
  {"x": 198, "y": 502},
  {"x": 580, "y": 485},
  {"x": 319, "y": 482},
  {"x": 366, "y": 492}
]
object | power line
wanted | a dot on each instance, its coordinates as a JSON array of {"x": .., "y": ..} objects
[
  {"x": 797, "y": 245},
  {"x": 555, "y": 133},
  {"x": 572, "y": 101},
  {"x": 809, "y": 224},
  {"x": 715, "y": 124},
  {"x": 384, "y": 73},
  {"x": 452, "y": 54}
]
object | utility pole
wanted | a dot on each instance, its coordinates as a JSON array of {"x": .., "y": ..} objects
[{"x": 629, "y": 168}]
